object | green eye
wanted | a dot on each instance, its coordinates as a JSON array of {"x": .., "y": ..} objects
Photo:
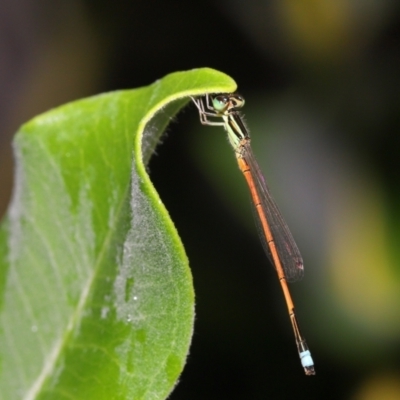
[{"x": 220, "y": 103}]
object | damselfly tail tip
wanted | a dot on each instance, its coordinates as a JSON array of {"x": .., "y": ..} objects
[
  {"x": 307, "y": 362},
  {"x": 309, "y": 370}
]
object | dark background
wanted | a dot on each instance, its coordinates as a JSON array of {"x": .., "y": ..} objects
[{"x": 322, "y": 85}]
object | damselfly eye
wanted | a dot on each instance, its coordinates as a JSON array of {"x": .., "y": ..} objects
[
  {"x": 220, "y": 102},
  {"x": 237, "y": 101}
]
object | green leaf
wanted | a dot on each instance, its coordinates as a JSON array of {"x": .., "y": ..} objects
[{"x": 96, "y": 294}]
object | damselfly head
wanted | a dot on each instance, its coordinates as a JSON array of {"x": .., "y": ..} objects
[{"x": 226, "y": 102}]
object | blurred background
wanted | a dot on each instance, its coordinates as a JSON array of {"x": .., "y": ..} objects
[{"x": 321, "y": 80}]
